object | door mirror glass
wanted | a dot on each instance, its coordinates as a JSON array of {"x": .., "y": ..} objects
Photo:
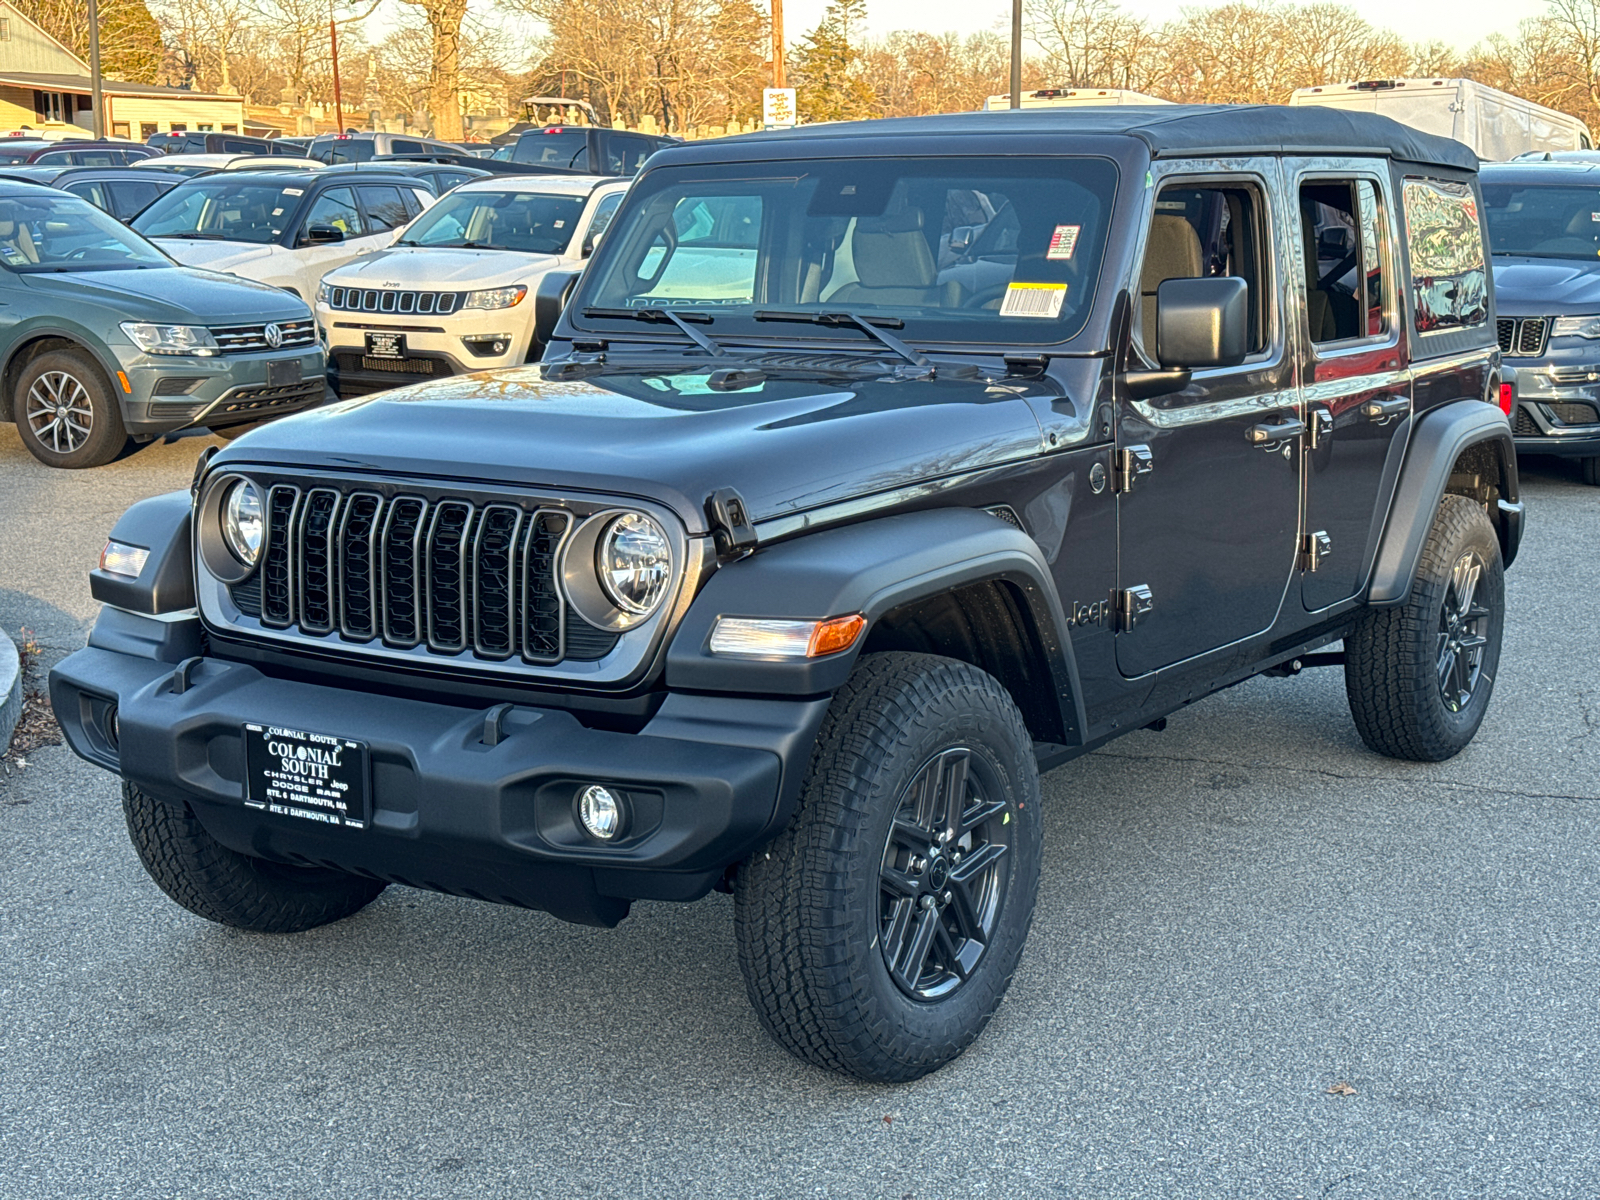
[
  {"x": 322, "y": 235},
  {"x": 1202, "y": 322}
]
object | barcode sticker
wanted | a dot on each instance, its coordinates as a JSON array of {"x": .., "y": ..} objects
[{"x": 1034, "y": 300}]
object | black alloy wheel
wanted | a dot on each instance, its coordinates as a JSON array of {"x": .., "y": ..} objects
[
  {"x": 1463, "y": 634},
  {"x": 943, "y": 880}
]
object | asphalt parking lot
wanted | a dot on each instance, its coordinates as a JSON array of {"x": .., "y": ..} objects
[{"x": 1235, "y": 915}]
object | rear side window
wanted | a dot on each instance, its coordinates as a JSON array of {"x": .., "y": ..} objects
[
  {"x": 385, "y": 208},
  {"x": 128, "y": 198},
  {"x": 1345, "y": 244},
  {"x": 1449, "y": 287},
  {"x": 94, "y": 193},
  {"x": 337, "y": 207}
]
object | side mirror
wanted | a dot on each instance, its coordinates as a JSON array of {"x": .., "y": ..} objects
[
  {"x": 1202, "y": 323},
  {"x": 960, "y": 238},
  {"x": 321, "y": 235},
  {"x": 555, "y": 289},
  {"x": 590, "y": 242}
]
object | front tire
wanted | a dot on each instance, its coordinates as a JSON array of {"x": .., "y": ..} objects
[
  {"x": 1591, "y": 471},
  {"x": 1419, "y": 676},
  {"x": 66, "y": 413},
  {"x": 230, "y": 888},
  {"x": 879, "y": 932}
]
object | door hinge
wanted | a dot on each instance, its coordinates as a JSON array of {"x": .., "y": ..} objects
[
  {"x": 1314, "y": 547},
  {"x": 730, "y": 521},
  {"x": 1132, "y": 464},
  {"x": 1130, "y": 604},
  {"x": 1321, "y": 427}
]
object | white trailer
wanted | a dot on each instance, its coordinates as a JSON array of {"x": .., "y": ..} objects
[
  {"x": 1496, "y": 124},
  {"x": 1072, "y": 98}
]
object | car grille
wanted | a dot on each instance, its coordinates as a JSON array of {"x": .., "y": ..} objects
[
  {"x": 252, "y": 399},
  {"x": 1523, "y": 424},
  {"x": 241, "y": 339},
  {"x": 1523, "y": 337},
  {"x": 448, "y": 575},
  {"x": 393, "y": 300}
]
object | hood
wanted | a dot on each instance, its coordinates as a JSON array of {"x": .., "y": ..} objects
[
  {"x": 442, "y": 268},
  {"x": 180, "y": 295},
  {"x": 1539, "y": 287},
  {"x": 214, "y": 256},
  {"x": 787, "y": 445}
]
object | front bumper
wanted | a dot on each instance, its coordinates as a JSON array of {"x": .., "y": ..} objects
[
  {"x": 436, "y": 347},
  {"x": 1551, "y": 399},
  {"x": 229, "y": 389},
  {"x": 706, "y": 781}
]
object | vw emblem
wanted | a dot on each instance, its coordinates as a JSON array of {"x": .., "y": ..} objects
[{"x": 274, "y": 336}]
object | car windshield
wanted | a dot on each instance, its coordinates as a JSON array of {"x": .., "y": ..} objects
[
  {"x": 998, "y": 250},
  {"x": 532, "y": 222},
  {"x": 64, "y": 233},
  {"x": 1543, "y": 220},
  {"x": 222, "y": 211}
]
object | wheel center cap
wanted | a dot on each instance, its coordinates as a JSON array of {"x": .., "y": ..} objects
[{"x": 938, "y": 874}]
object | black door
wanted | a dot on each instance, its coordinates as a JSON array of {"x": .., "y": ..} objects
[{"x": 1211, "y": 528}]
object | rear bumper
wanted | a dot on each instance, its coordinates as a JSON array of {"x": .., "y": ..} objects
[{"x": 706, "y": 781}]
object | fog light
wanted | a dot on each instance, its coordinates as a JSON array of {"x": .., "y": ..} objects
[{"x": 600, "y": 811}]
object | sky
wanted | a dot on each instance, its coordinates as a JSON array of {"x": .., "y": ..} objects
[{"x": 1461, "y": 23}]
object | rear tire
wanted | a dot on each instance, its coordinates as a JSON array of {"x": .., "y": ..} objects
[
  {"x": 66, "y": 413},
  {"x": 230, "y": 888},
  {"x": 1591, "y": 471},
  {"x": 879, "y": 932},
  {"x": 1419, "y": 676}
]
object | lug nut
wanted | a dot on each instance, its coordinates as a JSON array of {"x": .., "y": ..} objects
[{"x": 927, "y": 902}]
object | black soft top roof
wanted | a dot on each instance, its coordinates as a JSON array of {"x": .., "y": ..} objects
[{"x": 1182, "y": 130}]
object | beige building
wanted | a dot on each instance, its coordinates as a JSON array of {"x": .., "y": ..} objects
[{"x": 44, "y": 86}]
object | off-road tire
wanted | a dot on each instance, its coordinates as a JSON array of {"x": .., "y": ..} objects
[
  {"x": 807, "y": 906},
  {"x": 77, "y": 375},
  {"x": 1591, "y": 471},
  {"x": 222, "y": 885},
  {"x": 1391, "y": 670}
]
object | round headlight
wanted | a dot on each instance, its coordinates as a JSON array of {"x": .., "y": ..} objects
[
  {"x": 242, "y": 521},
  {"x": 634, "y": 561}
]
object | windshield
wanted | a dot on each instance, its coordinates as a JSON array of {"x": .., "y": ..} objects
[
  {"x": 229, "y": 212},
  {"x": 1543, "y": 220},
  {"x": 973, "y": 250},
  {"x": 553, "y": 148},
  {"x": 51, "y": 233},
  {"x": 533, "y": 222}
]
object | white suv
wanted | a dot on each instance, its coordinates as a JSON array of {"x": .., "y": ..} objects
[{"x": 454, "y": 293}]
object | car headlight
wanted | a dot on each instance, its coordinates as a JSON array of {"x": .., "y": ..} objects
[
  {"x": 506, "y": 297},
  {"x": 1584, "y": 327},
  {"x": 322, "y": 292},
  {"x": 634, "y": 561},
  {"x": 243, "y": 523},
  {"x": 171, "y": 339}
]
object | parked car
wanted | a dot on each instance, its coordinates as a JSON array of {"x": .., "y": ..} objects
[
  {"x": 359, "y": 147},
  {"x": 196, "y": 141},
  {"x": 793, "y": 564},
  {"x": 203, "y": 164},
  {"x": 1544, "y": 233},
  {"x": 121, "y": 191},
  {"x": 583, "y": 149},
  {"x": 454, "y": 292},
  {"x": 83, "y": 153},
  {"x": 105, "y": 337},
  {"x": 441, "y": 177},
  {"x": 284, "y": 229}
]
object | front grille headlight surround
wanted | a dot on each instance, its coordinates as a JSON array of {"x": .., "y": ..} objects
[
  {"x": 618, "y": 569},
  {"x": 222, "y": 550},
  {"x": 1583, "y": 327}
]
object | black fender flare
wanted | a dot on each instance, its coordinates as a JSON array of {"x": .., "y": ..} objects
[
  {"x": 1438, "y": 439},
  {"x": 166, "y": 583},
  {"x": 870, "y": 568}
]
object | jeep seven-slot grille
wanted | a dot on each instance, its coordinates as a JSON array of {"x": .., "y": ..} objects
[
  {"x": 393, "y": 300},
  {"x": 445, "y": 574},
  {"x": 1522, "y": 337}
]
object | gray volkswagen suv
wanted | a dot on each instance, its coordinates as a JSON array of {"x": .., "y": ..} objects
[{"x": 103, "y": 337}]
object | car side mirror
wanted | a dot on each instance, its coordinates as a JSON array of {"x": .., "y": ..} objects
[
  {"x": 321, "y": 235},
  {"x": 960, "y": 238},
  {"x": 555, "y": 289},
  {"x": 590, "y": 242},
  {"x": 1202, "y": 323}
]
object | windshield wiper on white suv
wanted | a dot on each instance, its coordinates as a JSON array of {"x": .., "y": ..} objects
[{"x": 681, "y": 320}]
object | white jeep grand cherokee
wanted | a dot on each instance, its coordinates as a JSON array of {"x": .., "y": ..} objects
[{"x": 454, "y": 292}]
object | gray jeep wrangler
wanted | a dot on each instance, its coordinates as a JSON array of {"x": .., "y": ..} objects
[{"x": 872, "y": 470}]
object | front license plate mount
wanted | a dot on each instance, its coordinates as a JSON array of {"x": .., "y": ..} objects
[
  {"x": 311, "y": 776},
  {"x": 283, "y": 372},
  {"x": 386, "y": 345}
]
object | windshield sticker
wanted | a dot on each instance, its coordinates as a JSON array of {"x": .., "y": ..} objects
[
  {"x": 294, "y": 191},
  {"x": 1063, "y": 242},
  {"x": 560, "y": 224},
  {"x": 1034, "y": 300}
]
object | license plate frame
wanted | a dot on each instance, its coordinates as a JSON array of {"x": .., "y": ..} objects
[
  {"x": 386, "y": 345},
  {"x": 283, "y": 372},
  {"x": 318, "y": 777}
]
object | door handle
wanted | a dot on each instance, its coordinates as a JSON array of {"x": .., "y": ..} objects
[
  {"x": 1269, "y": 433},
  {"x": 1384, "y": 411}
]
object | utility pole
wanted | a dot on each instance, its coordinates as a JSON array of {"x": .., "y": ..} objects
[
  {"x": 338, "y": 100},
  {"x": 97, "y": 97},
  {"x": 1016, "y": 53},
  {"x": 777, "y": 44}
]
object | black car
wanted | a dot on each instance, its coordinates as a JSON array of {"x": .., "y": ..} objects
[
  {"x": 120, "y": 191},
  {"x": 1544, "y": 233},
  {"x": 441, "y": 177},
  {"x": 583, "y": 149},
  {"x": 204, "y": 142},
  {"x": 80, "y": 153},
  {"x": 871, "y": 470}
]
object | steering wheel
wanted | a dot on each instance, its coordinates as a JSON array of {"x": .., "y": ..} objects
[{"x": 979, "y": 299}]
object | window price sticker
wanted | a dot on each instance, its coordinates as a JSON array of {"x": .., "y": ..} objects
[
  {"x": 1063, "y": 242},
  {"x": 1034, "y": 300}
]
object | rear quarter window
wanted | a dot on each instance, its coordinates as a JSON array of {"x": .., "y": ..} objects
[{"x": 1444, "y": 240}]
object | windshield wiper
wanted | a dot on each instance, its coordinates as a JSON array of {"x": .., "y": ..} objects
[
  {"x": 915, "y": 357},
  {"x": 681, "y": 320}
]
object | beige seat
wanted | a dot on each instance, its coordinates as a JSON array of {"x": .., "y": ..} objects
[
  {"x": 894, "y": 264},
  {"x": 1173, "y": 252},
  {"x": 16, "y": 237}
]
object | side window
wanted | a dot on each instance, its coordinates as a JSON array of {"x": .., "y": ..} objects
[
  {"x": 1201, "y": 232},
  {"x": 1344, "y": 241},
  {"x": 129, "y": 198},
  {"x": 97, "y": 158},
  {"x": 603, "y": 212},
  {"x": 405, "y": 146},
  {"x": 94, "y": 193},
  {"x": 337, "y": 207},
  {"x": 625, "y": 155},
  {"x": 385, "y": 208},
  {"x": 1449, "y": 288}
]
